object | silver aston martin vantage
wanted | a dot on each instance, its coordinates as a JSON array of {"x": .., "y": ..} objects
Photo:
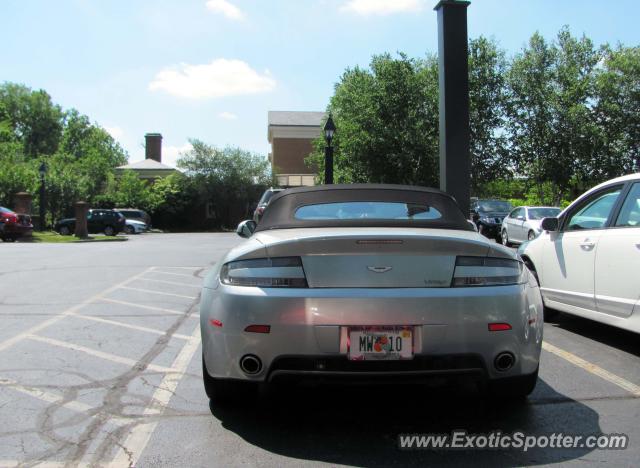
[{"x": 368, "y": 282}]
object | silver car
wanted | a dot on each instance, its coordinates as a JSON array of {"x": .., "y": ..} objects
[
  {"x": 523, "y": 223},
  {"x": 368, "y": 282}
]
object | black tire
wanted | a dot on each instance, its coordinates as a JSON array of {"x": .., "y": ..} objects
[
  {"x": 514, "y": 387},
  {"x": 65, "y": 231},
  {"x": 531, "y": 235},
  {"x": 505, "y": 238},
  {"x": 8, "y": 239},
  {"x": 129, "y": 230},
  {"x": 109, "y": 231},
  {"x": 226, "y": 391}
]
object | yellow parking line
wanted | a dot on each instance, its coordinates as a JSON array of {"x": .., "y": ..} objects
[
  {"x": 143, "y": 306},
  {"x": 53, "y": 398},
  {"x": 593, "y": 369},
  {"x": 140, "y": 434},
  {"x": 98, "y": 354},
  {"x": 130, "y": 326},
  {"x": 177, "y": 283},
  {"x": 157, "y": 292}
]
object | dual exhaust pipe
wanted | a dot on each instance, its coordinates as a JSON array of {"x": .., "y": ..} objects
[
  {"x": 504, "y": 361},
  {"x": 250, "y": 364}
]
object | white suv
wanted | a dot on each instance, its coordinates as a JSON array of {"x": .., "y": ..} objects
[{"x": 587, "y": 260}]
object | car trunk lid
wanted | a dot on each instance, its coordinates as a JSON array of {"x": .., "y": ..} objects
[{"x": 375, "y": 258}]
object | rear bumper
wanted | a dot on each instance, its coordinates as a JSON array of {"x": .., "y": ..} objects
[
  {"x": 310, "y": 326},
  {"x": 16, "y": 231}
]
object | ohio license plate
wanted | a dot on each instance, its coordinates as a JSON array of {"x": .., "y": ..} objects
[{"x": 380, "y": 343}]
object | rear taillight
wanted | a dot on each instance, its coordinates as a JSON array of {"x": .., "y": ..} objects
[
  {"x": 280, "y": 272},
  {"x": 488, "y": 271},
  {"x": 10, "y": 218}
]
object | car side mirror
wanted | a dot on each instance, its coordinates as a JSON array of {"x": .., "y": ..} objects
[
  {"x": 520, "y": 218},
  {"x": 246, "y": 228},
  {"x": 549, "y": 224}
]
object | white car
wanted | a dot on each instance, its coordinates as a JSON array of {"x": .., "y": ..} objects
[
  {"x": 587, "y": 260},
  {"x": 135, "y": 227},
  {"x": 523, "y": 223}
]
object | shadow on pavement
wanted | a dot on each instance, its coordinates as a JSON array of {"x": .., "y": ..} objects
[
  {"x": 611, "y": 336},
  {"x": 360, "y": 425}
]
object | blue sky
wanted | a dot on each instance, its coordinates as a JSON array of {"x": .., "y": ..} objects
[{"x": 211, "y": 69}]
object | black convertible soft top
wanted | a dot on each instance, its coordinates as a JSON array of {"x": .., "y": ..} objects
[{"x": 280, "y": 213}]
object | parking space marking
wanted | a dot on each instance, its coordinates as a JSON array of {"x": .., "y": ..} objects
[
  {"x": 177, "y": 283},
  {"x": 143, "y": 306},
  {"x": 157, "y": 292},
  {"x": 43, "y": 464},
  {"x": 99, "y": 354},
  {"x": 173, "y": 274},
  {"x": 41, "y": 326},
  {"x": 183, "y": 267},
  {"x": 53, "y": 398},
  {"x": 593, "y": 369},
  {"x": 140, "y": 435},
  {"x": 130, "y": 326}
]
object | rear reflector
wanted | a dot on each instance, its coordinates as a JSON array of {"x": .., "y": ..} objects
[
  {"x": 258, "y": 329},
  {"x": 499, "y": 326},
  {"x": 215, "y": 323}
]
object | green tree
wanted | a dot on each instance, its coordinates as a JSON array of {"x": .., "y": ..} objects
[
  {"x": 617, "y": 114},
  {"x": 32, "y": 117},
  {"x": 488, "y": 101},
  {"x": 228, "y": 179},
  {"x": 530, "y": 116},
  {"x": 387, "y": 120}
]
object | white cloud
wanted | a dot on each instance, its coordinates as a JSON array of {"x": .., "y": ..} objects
[
  {"x": 115, "y": 132},
  {"x": 219, "y": 78},
  {"x": 228, "y": 116},
  {"x": 381, "y": 7},
  {"x": 225, "y": 8},
  {"x": 170, "y": 154}
]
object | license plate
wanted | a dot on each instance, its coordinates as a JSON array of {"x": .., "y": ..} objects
[{"x": 380, "y": 343}]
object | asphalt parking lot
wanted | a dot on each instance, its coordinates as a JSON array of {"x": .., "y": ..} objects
[{"x": 100, "y": 366}]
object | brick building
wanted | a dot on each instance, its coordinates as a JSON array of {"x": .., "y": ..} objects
[
  {"x": 151, "y": 167},
  {"x": 291, "y": 135}
]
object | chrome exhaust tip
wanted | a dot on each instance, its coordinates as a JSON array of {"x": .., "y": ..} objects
[
  {"x": 250, "y": 364},
  {"x": 504, "y": 361}
]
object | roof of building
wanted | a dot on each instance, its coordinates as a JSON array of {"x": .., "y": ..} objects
[
  {"x": 147, "y": 164},
  {"x": 296, "y": 119}
]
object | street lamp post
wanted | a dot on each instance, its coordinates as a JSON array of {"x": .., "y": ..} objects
[
  {"x": 329, "y": 130},
  {"x": 42, "y": 170}
]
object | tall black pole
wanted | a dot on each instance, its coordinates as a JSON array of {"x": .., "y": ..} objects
[
  {"x": 453, "y": 68},
  {"x": 42, "y": 207},
  {"x": 328, "y": 163}
]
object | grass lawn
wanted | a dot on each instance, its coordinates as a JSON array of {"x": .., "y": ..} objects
[{"x": 55, "y": 238}]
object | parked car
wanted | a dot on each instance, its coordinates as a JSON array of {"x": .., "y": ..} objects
[
  {"x": 13, "y": 225},
  {"x": 110, "y": 222},
  {"x": 488, "y": 216},
  {"x": 368, "y": 282},
  {"x": 523, "y": 223},
  {"x": 264, "y": 201},
  {"x": 133, "y": 226},
  {"x": 587, "y": 259},
  {"x": 135, "y": 214}
]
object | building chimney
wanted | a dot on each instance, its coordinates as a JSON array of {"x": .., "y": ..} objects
[{"x": 153, "y": 146}]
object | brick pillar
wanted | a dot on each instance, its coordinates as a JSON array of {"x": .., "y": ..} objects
[
  {"x": 22, "y": 203},
  {"x": 82, "y": 208}
]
